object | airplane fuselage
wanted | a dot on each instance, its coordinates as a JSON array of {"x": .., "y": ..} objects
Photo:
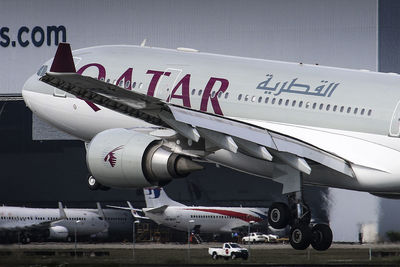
[
  {"x": 352, "y": 107},
  {"x": 83, "y": 222},
  {"x": 207, "y": 219}
]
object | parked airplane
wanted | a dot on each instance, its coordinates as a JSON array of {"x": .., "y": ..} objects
[
  {"x": 53, "y": 224},
  {"x": 163, "y": 210},
  {"x": 149, "y": 115}
]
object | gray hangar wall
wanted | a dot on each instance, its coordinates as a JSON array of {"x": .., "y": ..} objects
[{"x": 47, "y": 168}]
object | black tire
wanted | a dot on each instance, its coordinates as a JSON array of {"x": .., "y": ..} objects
[
  {"x": 279, "y": 215},
  {"x": 214, "y": 256},
  {"x": 92, "y": 183},
  {"x": 233, "y": 256},
  {"x": 321, "y": 237},
  {"x": 300, "y": 236}
]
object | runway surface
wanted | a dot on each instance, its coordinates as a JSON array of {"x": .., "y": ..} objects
[{"x": 171, "y": 254}]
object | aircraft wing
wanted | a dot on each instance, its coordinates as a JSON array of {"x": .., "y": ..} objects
[
  {"x": 157, "y": 210},
  {"x": 226, "y": 133},
  {"x": 130, "y": 208}
]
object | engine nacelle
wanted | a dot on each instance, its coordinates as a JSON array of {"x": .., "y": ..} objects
[
  {"x": 126, "y": 158},
  {"x": 58, "y": 232}
]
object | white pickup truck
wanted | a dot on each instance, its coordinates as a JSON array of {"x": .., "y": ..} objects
[{"x": 229, "y": 250}]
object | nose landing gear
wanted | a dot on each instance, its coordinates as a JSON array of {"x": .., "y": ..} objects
[{"x": 95, "y": 185}]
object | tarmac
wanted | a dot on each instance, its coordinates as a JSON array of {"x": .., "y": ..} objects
[{"x": 173, "y": 254}]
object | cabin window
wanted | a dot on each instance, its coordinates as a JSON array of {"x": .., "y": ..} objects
[
  {"x": 308, "y": 104},
  {"x": 355, "y": 110},
  {"x": 362, "y": 111},
  {"x": 260, "y": 99},
  {"x": 246, "y": 98},
  {"x": 219, "y": 94},
  {"x": 253, "y": 98},
  {"x": 240, "y": 97},
  {"x": 212, "y": 94},
  {"x": 133, "y": 85},
  {"x": 266, "y": 100},
  {"x": 280, "y": 102},
  {"x": 193, "y": 91},
  {"x": 321, "y": 106},
  {"x": 369, "y": 112},
  {"x": 328, "y": 107},
  {"x": 127, "y": 84},
  {"x": 273, "y": 101},
  {"x": 348, "y": 109},
  {"x": 226, "y": 95},
  {"x": 287, "y": 102},
  {"x": 294, "y": 103},
  {"x": 200, "y": 91},
  {"x": 300, "y": 103},
  {"x": 314, "y": 105},
  {"x": 334, "y": 108},
  {"x": 341, "y": 108}
]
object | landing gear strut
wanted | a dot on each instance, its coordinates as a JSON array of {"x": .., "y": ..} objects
[
  {"x": 95, "y": 185},
  {"x": 298, "y": 216}
]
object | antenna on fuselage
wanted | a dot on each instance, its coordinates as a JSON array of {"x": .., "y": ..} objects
[{"x": 143, "y": 44}]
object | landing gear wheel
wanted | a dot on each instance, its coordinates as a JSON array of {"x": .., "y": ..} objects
[
  {"x": 300, "y": 236},
  {"x": 92, "y": 183},
  {"x": 321, "y": 237},
  {"x": 278, "y": 215}
]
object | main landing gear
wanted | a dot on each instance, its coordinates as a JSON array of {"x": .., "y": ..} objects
[
  {"x": 95, "y": 185},
  {"x": 298, "y": 216}
]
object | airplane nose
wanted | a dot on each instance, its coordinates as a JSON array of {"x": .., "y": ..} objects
[{"x": 27, "y": 90}]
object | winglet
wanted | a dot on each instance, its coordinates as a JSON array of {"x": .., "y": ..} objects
[
  {"x": 62, "y": 211},
  {"x": 63, "y": 60}
]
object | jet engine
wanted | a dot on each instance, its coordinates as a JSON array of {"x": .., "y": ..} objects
[
  {"x": 58, "y": 232},
  {"x": 126, "y": 158}
]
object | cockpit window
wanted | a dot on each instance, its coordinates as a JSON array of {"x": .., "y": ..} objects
[
  {"x": 42, "y": 71},
  {"x": 100, "y": 218}
]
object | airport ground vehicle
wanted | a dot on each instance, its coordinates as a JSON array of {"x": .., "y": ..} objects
[
  {"x": 229, "y": 250},
  {"x": 254, "y": 238},
  {"x": 270, "y": 238}
]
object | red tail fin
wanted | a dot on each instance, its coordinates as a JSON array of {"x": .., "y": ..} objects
[{"x": 63, "y": 61}]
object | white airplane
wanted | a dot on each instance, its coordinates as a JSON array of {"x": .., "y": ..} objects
[
  {"x": 46, "y": 223},
  {"x": 163, "y": 210},
  {"x": 150, "y": 115}
]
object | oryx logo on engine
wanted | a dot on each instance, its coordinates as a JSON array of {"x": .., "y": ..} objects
[{"x": 110, "y": 157}]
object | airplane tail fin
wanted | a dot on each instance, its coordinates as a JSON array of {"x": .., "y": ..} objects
[
  {"x": 156, "y": 197},
  {"x": 63, "y": 216}
]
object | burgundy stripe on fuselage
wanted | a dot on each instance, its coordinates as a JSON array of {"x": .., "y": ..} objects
[{"x": 239, "y": 215}]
